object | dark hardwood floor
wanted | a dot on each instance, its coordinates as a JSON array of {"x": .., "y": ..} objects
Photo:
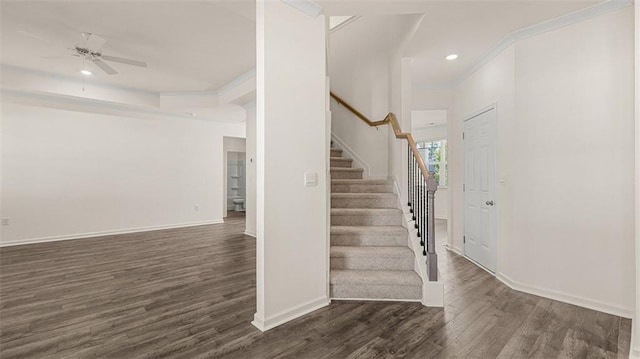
[{"x": 190, "y": 293}]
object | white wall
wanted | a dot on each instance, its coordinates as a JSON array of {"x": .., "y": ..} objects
[
  {"x": 430, "y": 134},
  {"x": 635, "y": 339},
  {"x": 359, "y": 63},
  {"x": 564, "y": 159},
  {"x": 403, "y": 28},
  {"x": 250, "y": 202},
  {"x": 68, "y": 173},
  {"x": 292, "y": 232}
]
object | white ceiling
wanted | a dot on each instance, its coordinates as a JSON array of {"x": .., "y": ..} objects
[
  {"x": 425, "y": 119},
  {"x": 203, "y": 45},
  {"x": 467, "y": 28},
  {"x": 188, "y": 46}
]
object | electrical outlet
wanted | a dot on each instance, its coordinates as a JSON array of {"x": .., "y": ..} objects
[
  {"x": 196, "y": 208},
  {"x": 5, "y": 221}
]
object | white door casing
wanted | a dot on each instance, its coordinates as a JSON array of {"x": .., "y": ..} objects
[{"x": 479, "y": 188}]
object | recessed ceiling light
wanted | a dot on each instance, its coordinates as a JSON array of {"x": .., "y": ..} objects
[
  {"x": 452, "y": 57},
  {"x": 85, "y": 72}
]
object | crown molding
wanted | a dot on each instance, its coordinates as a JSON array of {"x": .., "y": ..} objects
[
  {"x": 74, "y": 103},
  {"x": 518, "y": 35}
]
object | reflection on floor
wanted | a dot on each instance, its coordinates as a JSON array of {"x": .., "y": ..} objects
[
  {"x": 235, "y": 214},
  {"x": 190, "y": 292}
]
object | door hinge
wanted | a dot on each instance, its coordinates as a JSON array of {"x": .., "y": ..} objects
[
  {"x": 464, "y": 187},
  {"x": 464, "y": 239},
  {"x": 463, "y": 135}
]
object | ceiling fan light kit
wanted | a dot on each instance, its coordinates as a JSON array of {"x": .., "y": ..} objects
[{"x": 90, "y": 49}]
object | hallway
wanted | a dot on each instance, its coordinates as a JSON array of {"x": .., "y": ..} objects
[{"x": 190, "y": 292}]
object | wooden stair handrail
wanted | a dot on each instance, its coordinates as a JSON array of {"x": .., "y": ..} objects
[{"x": 393, "y": 121}]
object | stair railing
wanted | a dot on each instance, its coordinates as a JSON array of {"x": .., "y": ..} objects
[{"x": 421, "y": 189}]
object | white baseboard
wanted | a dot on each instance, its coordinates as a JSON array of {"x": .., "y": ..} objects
[
  {"x": 107, "y": 233},
  {"x": 552, "y": 294},
  {"x": 290, "y": 314},
  {"x": 250, "y": 234},
  {"x": 566, "y": 298},
  {"x": 454, "y": 249}
]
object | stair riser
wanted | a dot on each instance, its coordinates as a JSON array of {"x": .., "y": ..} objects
[
  {"x": 372, "y": 263},
  {"x": 368, "y": 240},
  {"x": 361, "y": 188},
  {"x": 366, "y": 220},
  {"x": 346, "y": 175},
  {"x": 388, "y": 202},
  {"x": 336, "y": 153},
  {"x": 354, "y": 291},
  {"x": 341, "y": 163}
]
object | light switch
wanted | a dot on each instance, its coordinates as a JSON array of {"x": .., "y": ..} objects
[{"x": 310, "y": 179}]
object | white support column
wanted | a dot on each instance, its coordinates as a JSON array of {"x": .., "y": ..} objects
[
  {"x": 291, "y": 150},
  {"x": 635, "y": 333}
]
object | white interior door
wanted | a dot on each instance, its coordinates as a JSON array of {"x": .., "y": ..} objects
[{"x": 479, "y": 189}]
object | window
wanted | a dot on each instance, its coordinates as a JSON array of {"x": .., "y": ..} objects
[{"x": 434, "y": 155}]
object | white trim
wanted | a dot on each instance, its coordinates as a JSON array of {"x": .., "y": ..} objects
[
  {"x": 289, "y": 314},
  {"x": 236, "y": 82},
  {"x": 89, "y": 235},
  {"x": 566, "y": 298},
  {"x": 552, "y": 294},
  {"x": 354, "y": 156},
  {"x": 344, "y": 23},
  {"x": 454, "y": 249},
  {"x": 537, "y": 29},
  {"x": 249, "y": 233}
]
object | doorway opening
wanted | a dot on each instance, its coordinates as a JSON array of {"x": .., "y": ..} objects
[{"x": 236, "y": 184}]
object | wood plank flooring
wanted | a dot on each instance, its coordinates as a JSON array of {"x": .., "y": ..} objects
[{"x": 190, "y": 293}]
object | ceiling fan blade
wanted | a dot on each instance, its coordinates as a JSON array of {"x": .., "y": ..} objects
[
  {"x": 124, "y": 61},
  {"x": 106, "y": 68},
  {"x": 34, "y": 36}
]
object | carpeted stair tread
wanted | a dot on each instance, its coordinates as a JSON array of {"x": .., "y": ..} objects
[
  {"x": 345, "y": 169},
  {"x": 375, "y": 277},
  {"x": 399, "y": 230},
  {"x": 341, "y": 162},
  {"x": 361, "y": 181},
  {"x": 365, "y": 211},
  {"x": 349, "y": 195},
  {"x": 371, "y": 252}
]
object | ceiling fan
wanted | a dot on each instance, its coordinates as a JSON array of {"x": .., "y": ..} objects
[{"x": 90, "y": 48}]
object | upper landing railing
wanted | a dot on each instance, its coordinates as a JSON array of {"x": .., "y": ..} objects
[{"x": 421, "y": 188}]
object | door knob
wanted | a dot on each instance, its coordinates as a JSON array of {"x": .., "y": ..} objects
[{"x": 489, "y": 203}]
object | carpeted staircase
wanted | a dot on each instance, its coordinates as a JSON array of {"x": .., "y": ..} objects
[{"x": 370, "y": 257}]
